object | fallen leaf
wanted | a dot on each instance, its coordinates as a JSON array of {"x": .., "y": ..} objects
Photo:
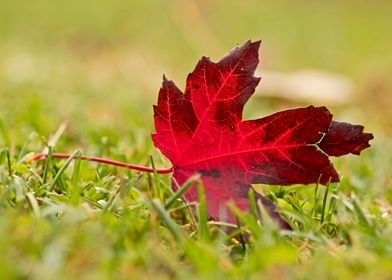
[{"x": 202, "y": 131}]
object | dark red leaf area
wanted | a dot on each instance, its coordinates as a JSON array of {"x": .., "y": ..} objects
[
  {"x": 343, "y": 138},
  {"x": 202, "y": 131}
]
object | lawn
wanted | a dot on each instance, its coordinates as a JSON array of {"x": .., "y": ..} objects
[{"x": 82, "y": 76}]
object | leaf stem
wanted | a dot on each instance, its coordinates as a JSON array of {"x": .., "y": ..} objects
[{"x": 40, "y": 156}]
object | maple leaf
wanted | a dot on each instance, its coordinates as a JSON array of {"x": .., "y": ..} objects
[{"x": 202, "y": 131}]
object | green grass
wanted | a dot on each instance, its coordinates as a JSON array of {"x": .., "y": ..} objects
[
  {"x": 98, "y": 67},
  {"x": 70, "y": 219}
]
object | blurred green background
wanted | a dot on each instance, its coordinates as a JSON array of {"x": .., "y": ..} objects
[{"x": 104, "y": 60}]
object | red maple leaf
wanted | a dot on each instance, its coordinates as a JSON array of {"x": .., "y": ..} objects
[{"x": 202, "y": 131}]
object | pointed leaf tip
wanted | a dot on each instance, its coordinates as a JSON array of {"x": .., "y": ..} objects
[{"x": 344, "y": 138}]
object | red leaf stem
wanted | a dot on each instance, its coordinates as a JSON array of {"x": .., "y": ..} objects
[{"x": 40, "y": 156}]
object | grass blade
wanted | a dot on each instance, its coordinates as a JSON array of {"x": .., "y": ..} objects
[
  {"x": 9, "y": 163},
  {"x": 323, "y": 210},
  {"x": 164, "y": 215},
  {"x": 202, "y": 213},
  {"x": 21, "y": 156},
  {"x": 158, "y": 190},
  {"x": 361, "y": 215},
  {"x": 62, "y": 169},
  {"x": 48, "y": 164},
  {"x": 189, "y": 183},
  {"x": 252, "y": 203}
]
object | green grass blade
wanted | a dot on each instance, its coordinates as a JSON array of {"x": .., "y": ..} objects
[
  {"x": 252, "y": 203},
  {"x": 189, "y": 183},
  {"x": 22, "y": 152},
  {"x": 164, "y": 215},
  {"x": 36, "y": 175},
  {"x": 75, "y": 186},
  {"x": 202, "y": 213},
  {"x": 48, "y": 164},
  {"x": 9, "y": 163},
  {"x": 315, "y": 203},
  {"x": 157, "y": 186},
  {"x": 63, "y": 168},
  {"x": 360, "y": 214},
  {"x": 33, "y": 203},
  {"x": 323, "y": 209}
]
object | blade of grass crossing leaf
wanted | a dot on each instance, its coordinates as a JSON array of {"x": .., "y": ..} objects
[
  {"x": 267, "y": 220},
  {"x": 182, "y": 207},
  {"x": 164, "y": 215},
  {"x": 245, "y": 223},
  {"x": 252, "y": 203},
  {"x": 239, "y": 217},
  {"x": 202, "y": 213},
  {"x": 189, "y": 183},
  {"x": 161, "y": 188},
  {"x": 241, "y": 235},
  {"x": 62, "y": 169}
]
